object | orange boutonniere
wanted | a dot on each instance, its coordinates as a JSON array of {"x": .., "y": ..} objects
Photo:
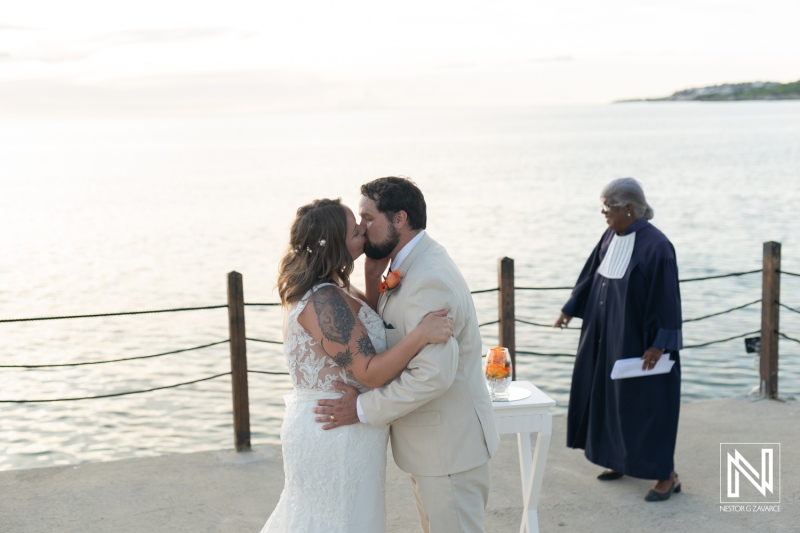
[
  {"x": 390, "y": 282},
  {"x": 498, "y": 364}
]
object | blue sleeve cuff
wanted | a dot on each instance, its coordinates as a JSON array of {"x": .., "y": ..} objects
[
  {"x": 571, "y": 308},
  {"x": 670, "y": 340}
]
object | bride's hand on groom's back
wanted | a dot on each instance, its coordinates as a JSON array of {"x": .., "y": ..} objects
[
  {"x": 339, "y": 412},
  {"x": 436, "y": 327}
]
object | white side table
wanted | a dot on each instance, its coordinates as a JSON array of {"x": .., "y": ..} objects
[{"x": 523, "y": 417}]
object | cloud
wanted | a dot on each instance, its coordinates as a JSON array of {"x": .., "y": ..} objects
[
  {"x": 556, "y": 81},
  {"x": 50, "y": 54},
  {"x": 553, "y": 59},
  {"x": 209, "y": 93},
  {"x": 280, "y": 90},
  {"x": 459, "y": 65},
  {"x": 60, "y": 52},
  {"x": 175, "y": 35},
  {"x": 508, "y": 63}
]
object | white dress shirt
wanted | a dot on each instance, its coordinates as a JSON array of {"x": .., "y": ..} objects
[{"x": 403, "y": 253}]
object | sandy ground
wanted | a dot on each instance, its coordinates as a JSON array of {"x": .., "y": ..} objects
[{"x": 225, "y": 491}]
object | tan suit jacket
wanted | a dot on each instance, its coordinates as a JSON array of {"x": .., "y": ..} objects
[{"x": 438, "y": 408}]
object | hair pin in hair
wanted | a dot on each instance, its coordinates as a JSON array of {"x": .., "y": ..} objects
[
  {"x": 322, "y": 242},
  {"x": 299, "y": 249}
]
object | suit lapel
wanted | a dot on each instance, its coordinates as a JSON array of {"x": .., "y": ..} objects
[
  {"x": 418, "y": 250},
  {"x": 382, "y": 299}
]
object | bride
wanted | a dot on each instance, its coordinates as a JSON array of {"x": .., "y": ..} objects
[{"x": 334, "y": 481}]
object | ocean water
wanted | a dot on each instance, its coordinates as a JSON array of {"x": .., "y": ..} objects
[{"x": 103, "y": 216}]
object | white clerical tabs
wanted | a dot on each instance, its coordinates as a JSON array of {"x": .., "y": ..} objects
[
  {"x": 632, "y": 368},
  {"x": 618, "y": 256}
]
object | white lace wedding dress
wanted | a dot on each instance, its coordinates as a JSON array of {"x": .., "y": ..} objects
[{"x": 334, "y": 479}]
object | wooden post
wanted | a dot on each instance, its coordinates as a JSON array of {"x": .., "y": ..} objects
[
  {"x": 770, "y": 296},
  {"x": 505, "y": 309},
  {"x": 241, "y": 403}
]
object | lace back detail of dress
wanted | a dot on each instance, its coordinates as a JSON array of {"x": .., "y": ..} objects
[{"x": 309, "y": 366}]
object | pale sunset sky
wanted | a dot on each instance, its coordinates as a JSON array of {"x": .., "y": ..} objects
[{"x": 154, "y": 57}]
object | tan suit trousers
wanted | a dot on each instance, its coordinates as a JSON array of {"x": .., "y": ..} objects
[{"x": 454, "y": 503}]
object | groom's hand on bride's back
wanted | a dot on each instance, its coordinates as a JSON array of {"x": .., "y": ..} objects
[{"x": 344, "y": 409}]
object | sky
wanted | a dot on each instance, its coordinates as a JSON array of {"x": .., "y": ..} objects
[{"x": 168, "y": 57}]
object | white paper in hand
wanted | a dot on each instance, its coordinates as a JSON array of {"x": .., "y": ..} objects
[{"x": 632, "y": 368}]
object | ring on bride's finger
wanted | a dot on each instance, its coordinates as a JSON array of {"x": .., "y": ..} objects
[{"x": 333, "y": 419}]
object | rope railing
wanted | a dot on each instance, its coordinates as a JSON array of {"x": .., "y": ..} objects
[
  {"x": 687, "y": 280},
  {"x": 267, "y": 372},
  {"x": 55, "y": 365},
  {"x": 127, "y": 393},
  {"x": 688, "y": 347},
  {"x": 528, "y": 352},
  {"x": 262, "y": 340},
  {"x": 112, "y": 314},
  {"x": 118, "y": 393},
  {"x": 543, "y": 288},
  {"x": 537, "y": 324},
  {"x": 722, "y": 312},
  {"x": 275, "y": 304},
  {"x": 696, "y": 319},
  {"x": 731, "y": 275},
  {"x": 792, "y": 309},
  {"x": 281, "y": 342},
  {"x": 521, "y": 321},
  {"x": 484, "y": 291},
  {"x": 128, "y": 313},
  {"x": 130, "y": 359},
  {"x": 720, "y": 340},
  {"x": 788, "y": 338},
  {"x": 284, "y": 373}
]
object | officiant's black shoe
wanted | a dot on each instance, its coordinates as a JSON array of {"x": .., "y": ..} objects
[
  {"x": 609, "y": 475},
  {"x": 654, "y": 496}
]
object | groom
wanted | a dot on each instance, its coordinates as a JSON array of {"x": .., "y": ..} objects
[{"x": 442, "y": 427}]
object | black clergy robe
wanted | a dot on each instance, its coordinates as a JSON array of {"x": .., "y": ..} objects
[{"x": 628, "y": 425}]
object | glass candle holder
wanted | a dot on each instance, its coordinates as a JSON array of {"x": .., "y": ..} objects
[{"x": 498, "y": 373}]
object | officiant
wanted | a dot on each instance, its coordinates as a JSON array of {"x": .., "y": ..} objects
[{"x": 628, "y": 297}]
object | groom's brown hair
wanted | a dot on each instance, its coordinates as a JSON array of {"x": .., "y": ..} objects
[{"x": 393, "y": 194}]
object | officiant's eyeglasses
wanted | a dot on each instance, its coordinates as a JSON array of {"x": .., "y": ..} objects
[{"x": 605, "y": 208}]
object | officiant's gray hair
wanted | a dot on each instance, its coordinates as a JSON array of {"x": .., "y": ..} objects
[{"x": 623, "y": 191}]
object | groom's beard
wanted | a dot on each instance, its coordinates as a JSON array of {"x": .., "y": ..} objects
[{"x": 381, "y": 250}]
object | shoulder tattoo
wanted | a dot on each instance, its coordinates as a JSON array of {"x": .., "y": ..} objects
[
  {"x": 365, "y": 346},
  {"x": 334, "y": 316}
]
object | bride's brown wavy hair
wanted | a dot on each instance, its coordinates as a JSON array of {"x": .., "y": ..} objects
[{"x": 317, "y": 250}]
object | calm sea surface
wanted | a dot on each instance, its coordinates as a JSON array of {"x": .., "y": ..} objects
[{"x": 131, "y": 215}]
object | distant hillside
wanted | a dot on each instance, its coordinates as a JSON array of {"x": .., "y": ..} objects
[{"x": 757, "y": 90}]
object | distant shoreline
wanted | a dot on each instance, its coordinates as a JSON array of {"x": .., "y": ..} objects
[{"x": 730, "y": 92}]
